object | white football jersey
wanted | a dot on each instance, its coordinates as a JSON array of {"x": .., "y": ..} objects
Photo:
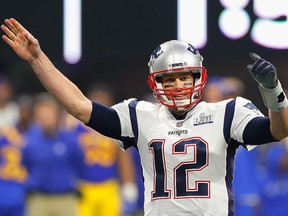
[{"x": 187, "y": 164}]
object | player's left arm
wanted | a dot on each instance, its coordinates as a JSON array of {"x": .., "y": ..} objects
[{"x": 272, "y": 93}]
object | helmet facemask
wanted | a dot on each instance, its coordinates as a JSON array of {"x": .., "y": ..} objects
[{"x": 177, "y": 57}]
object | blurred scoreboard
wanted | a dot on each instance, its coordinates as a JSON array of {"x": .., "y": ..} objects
[{"x": 262, "y": 22}]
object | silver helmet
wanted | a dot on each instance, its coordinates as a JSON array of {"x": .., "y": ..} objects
[{"x": 172, "y": 57}]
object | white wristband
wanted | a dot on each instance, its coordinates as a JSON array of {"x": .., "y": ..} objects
[{"x": 275, "y": 98}]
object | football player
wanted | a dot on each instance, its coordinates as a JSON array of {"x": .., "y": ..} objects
[{"x": 186, "y": 146}]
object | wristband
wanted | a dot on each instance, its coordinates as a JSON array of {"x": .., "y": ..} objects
[{"x": 275, "y": 98}]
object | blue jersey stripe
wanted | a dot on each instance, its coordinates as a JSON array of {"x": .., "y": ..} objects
[
  {"x": 231, "y": 149},
  {"x": 133, "y": 117},
  {"x": 229, "y": 113}
]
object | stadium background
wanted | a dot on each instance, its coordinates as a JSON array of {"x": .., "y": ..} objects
[{"x": 117, "y": 40}]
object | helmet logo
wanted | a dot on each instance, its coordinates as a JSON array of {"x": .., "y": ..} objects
[
  {"x": 191, "y": 49},
  {"x": 157, "y": 52}
]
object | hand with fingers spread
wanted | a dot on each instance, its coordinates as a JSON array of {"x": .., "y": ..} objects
[
  {"x": 65, "y": 92},
  {"x": 263, "y": 71},
  {"x": 20, "y": 40}
]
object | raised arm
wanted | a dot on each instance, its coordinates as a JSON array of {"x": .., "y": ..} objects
[
  {"x": 65, "y": 92},
  {"x": 273, "y": 95}
]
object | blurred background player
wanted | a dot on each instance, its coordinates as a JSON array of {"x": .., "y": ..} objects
[
  {"x": 273, "y": 183},
  {"x": 219, "y": 88},
  {"x": 52, "y": 158},
  {"x": 12, "y": 173},
  {"x": 233, "y": 87},
  {"x": 107, "y": 177},
  {"x": 214, "y": 89},
  {"x": 9, "y": 112},
  {"x": 138, "y": 210}
]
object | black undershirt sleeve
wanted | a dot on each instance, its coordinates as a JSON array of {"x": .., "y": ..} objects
[
  {"x": 258, "y": 132},
  {"x": 105, "y": 120}
]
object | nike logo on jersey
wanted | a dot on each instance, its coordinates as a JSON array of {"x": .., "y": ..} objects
[
  {"x": 178, "y": 132},
  {"x": 203, "y": 119}
]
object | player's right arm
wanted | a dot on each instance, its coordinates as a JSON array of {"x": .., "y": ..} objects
[{"x": 65, "y": 92}]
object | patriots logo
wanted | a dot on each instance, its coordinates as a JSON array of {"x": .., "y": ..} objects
[
  {"x": 191, "y": 49},
  {"x": 252, "y": 107},
  {"x": 156, "y": 53}
]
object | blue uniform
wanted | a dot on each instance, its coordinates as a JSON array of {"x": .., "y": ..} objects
[
  {"x": 12, "y": 173},
  {"x": 53, "y": 163},
  {"x": 274, "y": 189},
  {"x": 101, "y": 155},
  {"x": 139, "y": 179},
  {"x": 99, "y": 173},
  {"x": 246, "y": 182}
]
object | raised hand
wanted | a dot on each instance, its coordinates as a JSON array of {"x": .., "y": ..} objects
[
  {"x": 263, "y": 71},
  {"x": 20, "y": 40}
]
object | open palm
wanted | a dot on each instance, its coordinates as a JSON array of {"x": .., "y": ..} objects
[{"x": 20, "y": 40}]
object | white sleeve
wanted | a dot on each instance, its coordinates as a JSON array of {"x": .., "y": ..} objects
[
  {"x": 122, "y": 110},
  {"x": 245, "y": 111}
]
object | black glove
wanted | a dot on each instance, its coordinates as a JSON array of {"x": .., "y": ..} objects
[{"x": 263, "y": 71}]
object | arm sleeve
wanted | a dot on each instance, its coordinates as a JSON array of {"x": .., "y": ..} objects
[
  {"x": 258, "y": 132},
  {"x": 105, "y": 120}
]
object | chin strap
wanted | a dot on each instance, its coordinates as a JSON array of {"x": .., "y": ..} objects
[{"x": 274, "y": 98}]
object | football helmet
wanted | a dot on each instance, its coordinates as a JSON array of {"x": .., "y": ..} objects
[{"x": 174, "y": 57}]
